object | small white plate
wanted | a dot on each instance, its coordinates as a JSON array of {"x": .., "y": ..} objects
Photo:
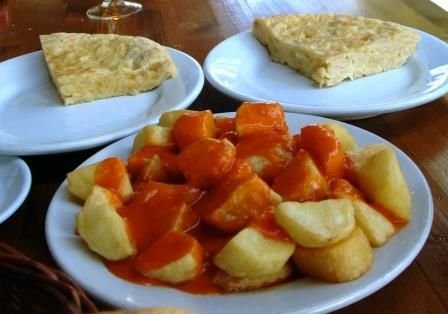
[
  {"x": 241, "y": 68},
  {"x": 34, "y": 121},
  {"x": 15, "y": 183},
  {"x": 301, "y": 296}
]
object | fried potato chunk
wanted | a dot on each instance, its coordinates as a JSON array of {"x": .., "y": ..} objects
[
  {"x": 240, "y": 196},
  {"x": 168, "y": 118},
  {"x": 346, "y": 139},
  {"x": 102, "y": 228},
  {"x": 323, "y": 145},
  {"x": 301, "y": 180},
  {"x": 159, "y": 208},
  {"x": 343, "y": 261},
  {"x": 316, "y": 224},
  {"x": 206, "y": 161},
  {"x": 375, "y": 226},
  {"x": 252, "y": 254},
  {"x": 225, "y": 127},
  {"x": 193, "y": 126},
  {"x": 153, "y": 135},
  {"x": 109, "y": 173},
  {"x": 342, "y": 188},
  {"x": 379, "y": 176},
  {"x": 81, "y": 181},
  {"x": 176, "y": 257},
  {"x": 267, "y": 153},
  {"x": 138, "y": 161},
  {"x": 154, "y": 170},
  {"x": 259, "y": 118},
  {"x": 235, "y": 284}
]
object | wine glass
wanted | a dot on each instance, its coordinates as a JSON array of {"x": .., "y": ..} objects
[{"x": 113, "y": 10}]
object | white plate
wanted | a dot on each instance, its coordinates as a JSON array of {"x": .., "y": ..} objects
[
  {"x": 301, "y": 296},
  {"x": 34, "y": 121},
  {"x": 15, "y": 183},
  {"x": 241, "y": 68}
]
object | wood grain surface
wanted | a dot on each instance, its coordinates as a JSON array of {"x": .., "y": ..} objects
[{"x": 195, "y": 27}]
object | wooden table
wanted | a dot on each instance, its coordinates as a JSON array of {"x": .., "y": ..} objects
[{"x": 196, "y": 26}]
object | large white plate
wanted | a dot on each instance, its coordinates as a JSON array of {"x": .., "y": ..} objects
[
  {"x": 241, "y": 68},
  {"x": 301, "y": 296},
  {"x": 15, "y": 183},
  {"x": 33, "y": 120}
]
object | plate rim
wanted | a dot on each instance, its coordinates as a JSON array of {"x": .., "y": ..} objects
[
  {"x": 331, "y": 305},
  {"x": 56, "y": 147},
  {"x": 344, "y": 113},
  {"x": 25, "y": 175}
]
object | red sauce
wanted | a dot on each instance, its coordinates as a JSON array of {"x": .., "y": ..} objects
[
  {"x": 260, "y": 118},
  {"x": 192, "y": 127},
  {"x": 321, "y": 142},
  {"x": 250, "y": 199},
  {"x": 301, "y": 180},
  {"x": 125, "y": 269},
  {"x": 109, "y": 174},
  {"x": 202, "y": 284},
  {"x": 240, "y": 172},
  {"x": 269, "y": 227},
  {"x": 205, "y": 162},
  {"x": 224, "y": 125},
  {"x": 297, "y": 138},
  {"x": 277, "y": 150},
  {"x": 171, "y": 247},
  {"x": 158, "y": 208},
  {"x": 341, "y": 188},
  {"x": 211, "y": 240},
  {"x": 397, "y": 222},
  {"x": 137, "y": 161},
  {"x": 349, "y": 170}
]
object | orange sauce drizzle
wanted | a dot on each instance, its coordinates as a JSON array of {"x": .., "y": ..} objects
[
  {"x": 269, "y": 227},
  {"x": 397, "y": 222},
  {"x": 109, "y": 174}
]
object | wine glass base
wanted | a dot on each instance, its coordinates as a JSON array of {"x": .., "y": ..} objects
[{"x": 114, "y": 11}]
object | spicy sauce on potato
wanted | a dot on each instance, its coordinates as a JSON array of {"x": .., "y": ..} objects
[{"x": 222, "y": 175}]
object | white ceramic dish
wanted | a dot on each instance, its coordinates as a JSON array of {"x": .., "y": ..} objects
[
  {"x": 33, "y": 120},
  {"x": 302, "y": 296},
  {"x": 15, "y": 183},
  {"x": 241, "y": 68}
]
